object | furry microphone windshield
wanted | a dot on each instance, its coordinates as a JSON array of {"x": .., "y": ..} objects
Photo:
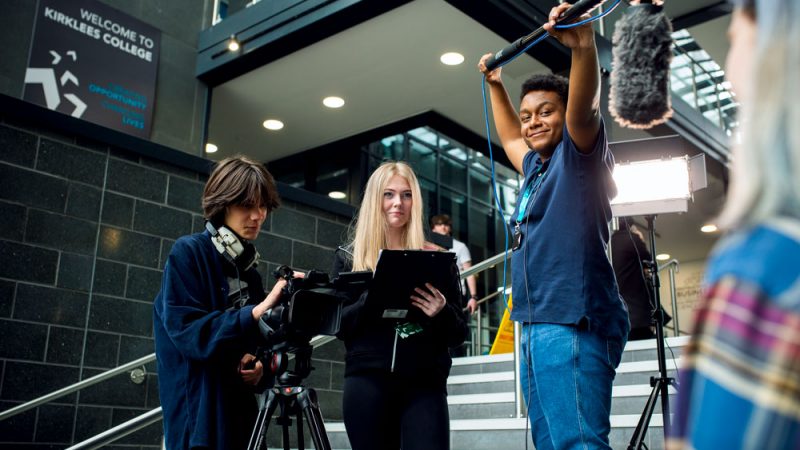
[{"x": 640, "y": 95}]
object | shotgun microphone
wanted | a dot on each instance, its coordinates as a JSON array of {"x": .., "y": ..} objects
[
  {"x": 639, "y": 96},
  {"x": 515, "y": 48}
]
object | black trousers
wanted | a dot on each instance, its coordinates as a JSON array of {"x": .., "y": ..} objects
[{"x": 388, "y": 412}]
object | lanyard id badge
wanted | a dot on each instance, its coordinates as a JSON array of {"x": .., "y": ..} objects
[{"x": 527, "y": 199}]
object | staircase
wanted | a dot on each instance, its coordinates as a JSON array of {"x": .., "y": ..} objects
[{"x": 481, "y": 397}]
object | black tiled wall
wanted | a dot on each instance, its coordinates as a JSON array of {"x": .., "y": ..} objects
[{"x": 84, "y": 232}]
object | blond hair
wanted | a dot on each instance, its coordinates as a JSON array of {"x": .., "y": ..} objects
[
  {"x": 369, "y": 233},
  {"x": 765, "y": 180}
]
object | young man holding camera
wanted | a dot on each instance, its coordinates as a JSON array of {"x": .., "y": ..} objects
[{"x": 205, "y": 317}]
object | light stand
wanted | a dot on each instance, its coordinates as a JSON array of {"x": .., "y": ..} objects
[
  {"x": 647, "y": 188},
  {"x": 661, "y": 383}
]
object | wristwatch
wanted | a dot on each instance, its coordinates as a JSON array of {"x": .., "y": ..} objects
[{"x": 473, "y": 296}]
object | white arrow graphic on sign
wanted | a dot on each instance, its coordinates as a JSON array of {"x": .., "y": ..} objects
[
  {"x": 47, "y": 78},
  {"x": 73, "y": 54},
  {"x": 80, "y": 107},
  {"x": 68, "y": 76},
  {"x": 56, "y": 57}
]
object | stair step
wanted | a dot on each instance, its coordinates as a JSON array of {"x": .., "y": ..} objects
[
  {"x": 625, "y": 400},
  {"x": 511, "y": 433},
  {"x": 617, "y": 421},
  {"x": 481, "y": 400}
]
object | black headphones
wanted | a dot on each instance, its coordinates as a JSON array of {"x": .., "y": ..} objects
[{"x": 236, "y": 250}]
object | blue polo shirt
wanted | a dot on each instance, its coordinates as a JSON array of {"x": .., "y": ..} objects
[{"x": 562, "y": 274}]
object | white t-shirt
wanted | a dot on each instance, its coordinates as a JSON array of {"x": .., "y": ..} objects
[{"x": 462, "y": 256}]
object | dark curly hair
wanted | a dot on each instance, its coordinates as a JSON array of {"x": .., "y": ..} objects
[{"x": 546, "y": 82}]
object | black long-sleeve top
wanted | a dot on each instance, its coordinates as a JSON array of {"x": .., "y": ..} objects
[
  {"x": 628, "y": 251},
  {"x": 371, "y": 340}
]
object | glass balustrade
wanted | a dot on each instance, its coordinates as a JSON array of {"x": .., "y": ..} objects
[{"x": 700, "y": 82}]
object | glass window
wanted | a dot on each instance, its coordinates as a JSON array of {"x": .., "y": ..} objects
[
  {"x": 422, "y": 159},
  {"x": 425, "y": 135},
  {"x": 455, "y": 151},
  {"x": 454, "y": 180},
  {"x": 481, "y": 221},
  {"x": 333, "y": 181},
  {"x": 430, "y": 204},
  {"x": 508, "y": 185},
  {"x": 389, "y": 149},
  {"x": 454, "y": 204},
  {"x": 480, "y": 186},
  {"x": 453, "y": 174}
]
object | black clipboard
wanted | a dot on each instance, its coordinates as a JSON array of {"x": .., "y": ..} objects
[{"x": 398, "y": 272}]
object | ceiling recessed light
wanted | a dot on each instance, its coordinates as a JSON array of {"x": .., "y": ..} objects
[
  {"x": 211, "y": 148},
  {"x": 272, "y": 124},
  {"x": 333, "y": 102},
  {"x": 708, "y": 228},
  {"x": 663, "y": 256},
  {"x": 338, "y": 195},
  {"x": 452, "y": 58},
  {"x": 233, "y": 44}
]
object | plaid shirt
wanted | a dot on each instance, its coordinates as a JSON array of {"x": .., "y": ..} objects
[{"x": 740, "y": 385}]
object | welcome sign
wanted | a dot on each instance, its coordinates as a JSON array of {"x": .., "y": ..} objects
[{"x": 93, "y": 62}]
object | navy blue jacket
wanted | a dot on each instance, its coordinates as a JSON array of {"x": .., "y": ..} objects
[{"x": 199, "y": 342}]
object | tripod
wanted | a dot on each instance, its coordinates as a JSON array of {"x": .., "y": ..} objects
[
  {"x": 662, "y": 382},
  {"x": 294, "y": 399}
]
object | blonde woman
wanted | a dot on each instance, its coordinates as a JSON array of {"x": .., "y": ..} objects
[{"x": 395, "y": 385}]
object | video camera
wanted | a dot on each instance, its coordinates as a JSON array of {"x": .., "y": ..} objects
[{"x": 308, "y": 306}]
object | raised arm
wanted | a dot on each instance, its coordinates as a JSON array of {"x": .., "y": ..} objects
[
  {"x": 583, "y": 105},
  {"x": 506, "y": 119}
]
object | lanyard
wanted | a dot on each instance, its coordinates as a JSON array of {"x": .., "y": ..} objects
[{"x": 533, "y": 186}]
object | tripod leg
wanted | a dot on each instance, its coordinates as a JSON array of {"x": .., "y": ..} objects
[
  {"x": 258, "y": 437},
  {"x": 301, "y": 444},
  {"x": 644, "y": 421},
  {"x": 310, "y": 406},
  {"x": 285, "y": 425}
]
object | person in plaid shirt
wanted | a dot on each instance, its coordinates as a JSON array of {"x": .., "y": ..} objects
[{"x": 740, "y": 382}]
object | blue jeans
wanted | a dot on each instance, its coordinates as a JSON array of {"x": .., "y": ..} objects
[{"x": 567, "y": 374}]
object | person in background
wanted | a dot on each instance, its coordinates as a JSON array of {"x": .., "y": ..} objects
[
  {"x": 395, "y": 393},
  {"x": 629, "y": 256},
  {"x": 441, "y": 224},
  {"x": 740, "y": 378}
]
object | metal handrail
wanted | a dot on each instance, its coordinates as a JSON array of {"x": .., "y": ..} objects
[
  {"x": 150, "y": 417},
  {"x": 486, "y": 299},
  {"x": 77, "y": 386},
  {"x": 671, "y": 262},
  {"x": 480, "y": 267},
  {"x": 694, "y": 64},
  {"x": 485, "y": 264},
  {"x": 674, "y": 266},
  {"x": 155, "y": 415},
  {"x": 315, "y": 342},
  {"x": 119, "y": 431}
]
